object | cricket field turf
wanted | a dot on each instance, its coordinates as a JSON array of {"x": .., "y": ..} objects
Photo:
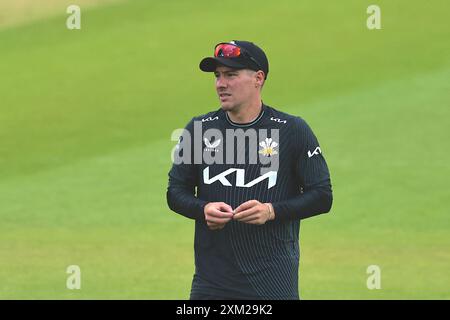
[{"x": 86, "y": 118}]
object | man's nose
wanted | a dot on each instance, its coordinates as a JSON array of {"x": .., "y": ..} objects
[{"x": 220, "y": 82}]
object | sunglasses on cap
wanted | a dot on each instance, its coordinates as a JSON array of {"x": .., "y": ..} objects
[{"x": 229, "y": 50}]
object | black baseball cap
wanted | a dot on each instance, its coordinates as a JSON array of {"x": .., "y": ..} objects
[{"x": 250, "y": 56}]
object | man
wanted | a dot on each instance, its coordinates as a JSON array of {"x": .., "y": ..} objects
[{"x": 247, "y": 173}]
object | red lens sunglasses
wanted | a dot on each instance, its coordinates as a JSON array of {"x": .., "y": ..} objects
[{"x": 229, "y": 50}]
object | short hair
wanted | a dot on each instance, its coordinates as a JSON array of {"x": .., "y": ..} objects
[{"x": 252, "y": 72}]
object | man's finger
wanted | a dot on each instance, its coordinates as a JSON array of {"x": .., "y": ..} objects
[
  {"x": 245, "y": 213},
  {"x": 225, "y": 207},
  {"x": 219, "y": 214},
  {"x": 249, "y": 219},
  {"x": 246, "y": 205},
  {"x": 215, "y": 226},
  {"x": 217, "y": 220}
]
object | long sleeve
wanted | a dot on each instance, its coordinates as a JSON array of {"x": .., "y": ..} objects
[
  {"x": 181, "y": 196},
  {"x": 313, "y": 175}
]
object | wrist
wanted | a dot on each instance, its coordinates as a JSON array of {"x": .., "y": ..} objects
[{"x": 271, "y": 213}]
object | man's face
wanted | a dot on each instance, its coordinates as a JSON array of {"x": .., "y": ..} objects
[{"x": 234, "y": 87}]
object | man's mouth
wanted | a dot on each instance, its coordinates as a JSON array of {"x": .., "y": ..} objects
[{"x": 224, "y": 96}]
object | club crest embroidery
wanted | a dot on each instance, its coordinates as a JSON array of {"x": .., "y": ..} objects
[{"x": 268, "y": 147}]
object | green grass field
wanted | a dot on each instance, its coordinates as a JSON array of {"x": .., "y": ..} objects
[{"x": 86, "y": 117}]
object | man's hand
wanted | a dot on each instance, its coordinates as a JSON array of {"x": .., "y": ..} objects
[
  {"x": 217, "y": 214},
  {"x": 254, "y": 212}
]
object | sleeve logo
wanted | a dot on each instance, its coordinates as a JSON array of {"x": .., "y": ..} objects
[
  {"x": 277, "y": 120},
  {"x": 210, "y": 119},
  {"x": 316, "y": 151}
]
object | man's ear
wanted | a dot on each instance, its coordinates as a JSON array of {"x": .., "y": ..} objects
[{"x": 259, "y": 78}]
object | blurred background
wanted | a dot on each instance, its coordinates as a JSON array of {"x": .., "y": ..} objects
[{"x": 86, "y": 117}]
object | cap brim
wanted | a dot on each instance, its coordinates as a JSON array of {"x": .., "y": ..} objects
[{"x": 209, "y": 64}]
